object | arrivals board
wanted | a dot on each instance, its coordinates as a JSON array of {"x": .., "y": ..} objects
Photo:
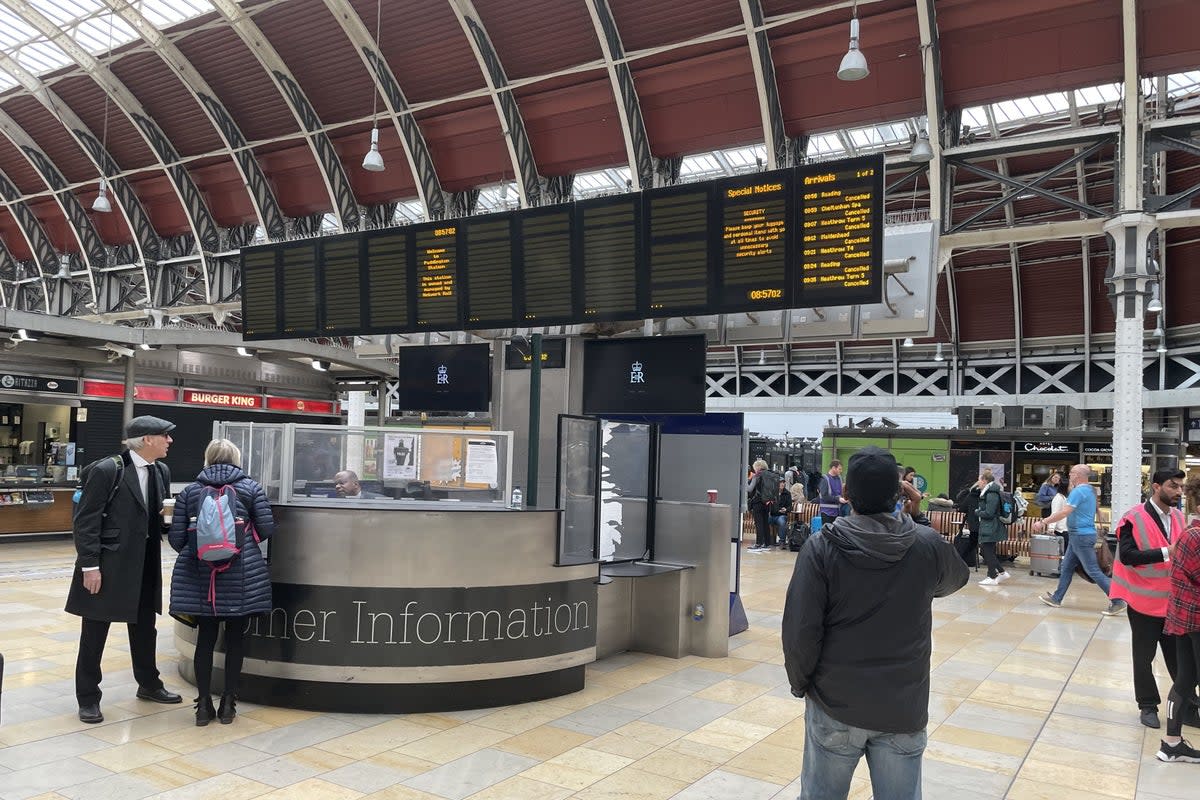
[
  {"x": 810, "y": 236},
  {"x": 841, "y": 230}
]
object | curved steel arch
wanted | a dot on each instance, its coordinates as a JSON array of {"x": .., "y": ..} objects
[
  {"x": 91, "y": 248},
  {"x": 262, "y": 197},
  {"x": 345, "y": 207},
  {"x": 769, "y": 105},
  {"x": 200, "y": 220},
  {"x": 629, "y": 109},
  {"x": 32, "y": 231},
  {"x": 529, "y": 188},
  {"x": 429, "y": 187}
]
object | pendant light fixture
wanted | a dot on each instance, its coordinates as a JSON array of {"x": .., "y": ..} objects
[
  {"x": 1155, "y": 304},
  {"x": 373, "y": 160},
  {"x": 908, "y": 342},
  {"x": 101, "y": 203},
  {"x": 921, "y": 152},
  {"x": 854, "y": 63},
  {"x": 938, "y": 355}
]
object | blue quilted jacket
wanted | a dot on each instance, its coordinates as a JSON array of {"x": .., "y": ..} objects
[{"x": 243, "y": 589}]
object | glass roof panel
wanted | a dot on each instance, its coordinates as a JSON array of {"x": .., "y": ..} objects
[{"x": 88, "y": 22}]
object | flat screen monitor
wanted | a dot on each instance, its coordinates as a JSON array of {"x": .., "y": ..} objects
[
  {"x": 646, "y": 375},
  {"x": 451, "y": 377}
]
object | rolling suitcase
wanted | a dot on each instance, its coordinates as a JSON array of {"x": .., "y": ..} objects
[{"x": 1045, "y": 555}]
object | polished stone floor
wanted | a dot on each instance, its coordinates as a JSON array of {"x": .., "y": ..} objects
[{"x": 1029, "y": 702}]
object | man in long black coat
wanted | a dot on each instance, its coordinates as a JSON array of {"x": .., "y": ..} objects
[{"x": 118, "y": 568}]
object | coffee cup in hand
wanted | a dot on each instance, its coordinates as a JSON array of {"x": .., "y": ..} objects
[{"x": 168, "y": 509}]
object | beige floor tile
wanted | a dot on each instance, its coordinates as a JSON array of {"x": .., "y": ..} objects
[
  {"x": 1003, "y": 693},
  {"x": 649, "y": 732},
  {"x": 733, "y": 692},
  {"x": 980, "y": 740},
  {"x": 620, "y": 745},
  {"x": 711, "y": 753},
  {"x": 399, "y": 792},
  {"x": 672, "y": 764},
  {"x": 225, "y": 786},
  {"x": 577, "y": 768},
  {"x": 629, "y": 677},
  {"x": 730, "y": 734},
  {"x": 767, "y": 762},
  {"x": 769, "y": 711},
  {"x": 730, "y": 666},
  {"x": 632, "y": 784},
  {"x": 1025, "y": 789},
  {"x": 448, "y": 745},
  {"x": 543, "y": 743},
  {"x": 1083, "y": 776},
  {"x": 521, "y": 788},
  {"x": 189, "y": 740},
  {"x": 518, "y": 719},
  {"x": 377, "y": 739},
  {"x": 1114, "y": 765},
  {"x": 313, "y": 789},
  {"x": 129, "y": 756},
  {"x": 277, "y": 717}
]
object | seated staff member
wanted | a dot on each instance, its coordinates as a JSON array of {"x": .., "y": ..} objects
[{"x": 347, "y": 485}]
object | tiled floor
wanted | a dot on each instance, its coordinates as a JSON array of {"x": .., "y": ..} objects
[{"x": 1029, "y": 702}]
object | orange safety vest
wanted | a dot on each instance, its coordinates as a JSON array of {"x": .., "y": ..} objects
[{"x": 1146, "y": 587}]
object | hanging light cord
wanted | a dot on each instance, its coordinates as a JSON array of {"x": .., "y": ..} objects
[{"x": 379, "y": 55}]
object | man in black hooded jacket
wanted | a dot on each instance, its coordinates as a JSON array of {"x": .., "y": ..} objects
[{"x": 857, "y": 636}]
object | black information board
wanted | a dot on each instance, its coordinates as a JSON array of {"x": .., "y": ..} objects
[
  {"x": 841, "y": 233},
  {"x": 260, "y": 308},
  {"x": 796, "y": 238}
]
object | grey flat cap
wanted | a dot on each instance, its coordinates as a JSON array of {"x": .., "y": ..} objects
[{"x": 147, "y": 426}]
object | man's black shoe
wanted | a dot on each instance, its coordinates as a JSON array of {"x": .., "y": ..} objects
[
  {"x": 90, "y": 714},
  {"x": 1150, "y": 718},
  {"x": 159, "y": 695}
]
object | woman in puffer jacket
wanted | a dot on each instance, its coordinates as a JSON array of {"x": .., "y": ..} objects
[{"x": 224, "y": 594}]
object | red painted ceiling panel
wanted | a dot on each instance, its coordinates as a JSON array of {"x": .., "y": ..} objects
[
  {"x": 297, "y": 181},
  {"x": 573, "y": 128},
  {"x": 54, "y": 139},
  {"x": 985, "y": 304},
  {"x": 125, "y": 142},
  {"x": 1182, "y": 299},
  {"x": 1167, "y": 35},
  {"x": 426, "y": 48},
  {"x": 158, "y": 196},
  {"x": 321, "y": 57},
  {"x": 700, "y": 103},
  {"x": 372, "y": 188},
  {"x": 246, "y": 90},
  {"x": 1052, "y": 298},
  {"x": 169, "y": 103},
  {"x": 643, "y": 24},
  {"x": 18, "y": 170},
  {"x": 994, "y": 51},
  {"x": 467, "y": 143},
  {"x": 221, "y": 183},
  {"x": 536, "y": 37}
]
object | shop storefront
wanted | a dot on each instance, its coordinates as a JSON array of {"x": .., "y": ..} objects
[{"x": 38, "y": 453}]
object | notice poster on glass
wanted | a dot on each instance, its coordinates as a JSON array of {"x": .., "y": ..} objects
[
  {"x": 400, "y": 456},
  {"x": 997, "y": 471},
  {"x": 482, "y": 463},
  {"x": 441, "y": 461}
]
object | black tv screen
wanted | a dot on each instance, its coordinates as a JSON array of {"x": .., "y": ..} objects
[
  {"x": 646, "y": 375},
  {"x": 451, "y": 377}
]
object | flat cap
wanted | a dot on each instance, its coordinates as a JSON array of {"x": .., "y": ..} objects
[{"x": 147, "y": 426}]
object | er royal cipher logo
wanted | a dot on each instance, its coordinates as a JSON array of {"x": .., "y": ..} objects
[
  {"x": 635, "y": 373},
  {"x": 443, "y": 375}
]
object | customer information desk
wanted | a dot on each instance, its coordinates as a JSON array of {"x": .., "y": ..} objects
[
  {"x": 385, "y": 609},
  {"x": 394, "y": 604}
]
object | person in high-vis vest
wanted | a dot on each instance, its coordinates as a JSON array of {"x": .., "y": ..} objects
[{"x": 1142, "y": 578}]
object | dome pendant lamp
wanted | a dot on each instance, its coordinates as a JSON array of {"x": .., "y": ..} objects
[
  {"x": 373, "y": 160},
  {"x": 854, "y": 63}
]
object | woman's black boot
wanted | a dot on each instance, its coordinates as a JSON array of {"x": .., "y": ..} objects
[
  {"x": 228, "y": 709},
  {"x": 204, "y": 710}
]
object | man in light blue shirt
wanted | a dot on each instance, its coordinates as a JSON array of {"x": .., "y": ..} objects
[{"x": 1080, "y": 514}]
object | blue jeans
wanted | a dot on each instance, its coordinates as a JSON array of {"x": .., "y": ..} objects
[
  {"x": 832, "y": 751},
  {"x": 780, "y": 522},
  {"x": 1081, "y": 549}
]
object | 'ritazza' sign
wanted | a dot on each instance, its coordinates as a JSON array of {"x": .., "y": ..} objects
[{"x": 34, "y": 383}]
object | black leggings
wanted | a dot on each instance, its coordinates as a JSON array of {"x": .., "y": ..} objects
[
  {"x": 990, "y": 558},
  {"x": 206, "y": 642},
  {"x": 1187, "y": 657}
]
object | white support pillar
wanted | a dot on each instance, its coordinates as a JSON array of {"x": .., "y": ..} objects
[
  {"x": 356, "y": 417},
  {"x": 1129, "y": 289}
]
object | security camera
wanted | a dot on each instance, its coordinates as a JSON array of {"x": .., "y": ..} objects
[{"x": 118, "y": 349}]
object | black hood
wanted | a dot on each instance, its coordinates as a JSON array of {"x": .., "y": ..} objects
[
  {"x": 220, "y": 474},
  {"x": 872, "y": 541}
]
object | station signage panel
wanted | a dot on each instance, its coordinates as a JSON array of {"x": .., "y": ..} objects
[
  {"x": 35, "y": 383},
  {"x": 810, "y": 236},
  {"x": 149, "y": 394},
  {"x": 297, "y": 405},
  {"x": 1047, "y": 448}
]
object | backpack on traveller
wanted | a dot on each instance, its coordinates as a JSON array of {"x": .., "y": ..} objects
[
  {"x": 767, "y": 490},
  {"x": 87, "y": 471},
  {"x": 220, "y": 533},
  {"x": 1012, "y": 507}
]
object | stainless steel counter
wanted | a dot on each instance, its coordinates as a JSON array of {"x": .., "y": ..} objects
[{"x": 413, "y": 609}]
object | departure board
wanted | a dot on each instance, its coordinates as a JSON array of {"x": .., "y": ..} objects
[
  {"x": 754, "y": 212},
  {"x": 342, "y": 284},
  {"x": 387, "y": 281},
  {"x": 436, "y": 258},
  {"x": 841, "y": 214},
  {"x": 608, "y": 229},
  {"x": 546, "y": 246},
  {"x": 808, "y": 236},
  {"x": 677, "y": 250},
  {"x": 298, "y": 280},
  {"x": 489, "y": 269},
  {"x": 260, "y": 315}
]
